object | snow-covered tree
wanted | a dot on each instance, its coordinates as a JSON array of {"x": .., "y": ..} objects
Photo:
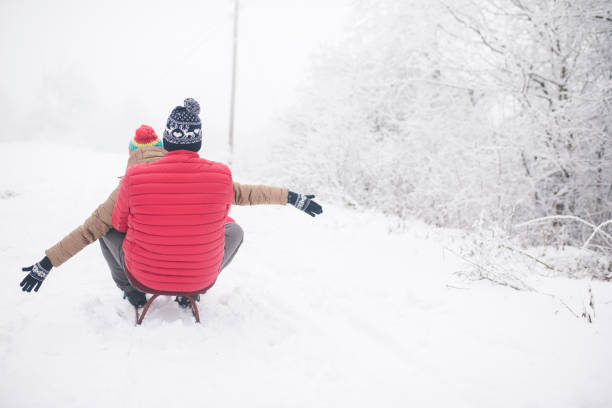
[
  {"x": 552, "y": 58},
  {"x": 466, "y": 110}
]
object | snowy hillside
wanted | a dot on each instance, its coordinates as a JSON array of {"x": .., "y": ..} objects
[{"x": 328, "y": 312}]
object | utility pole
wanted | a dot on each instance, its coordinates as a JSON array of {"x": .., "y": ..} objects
[{"x": 233, "y": 96}]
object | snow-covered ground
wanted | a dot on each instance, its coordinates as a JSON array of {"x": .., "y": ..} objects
[{"x": 329, "y": 312}]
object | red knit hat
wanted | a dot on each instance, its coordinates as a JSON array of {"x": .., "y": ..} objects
[{"x": 145, "y": 136}]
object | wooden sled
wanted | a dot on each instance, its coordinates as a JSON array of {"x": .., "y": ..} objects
[
  {"x": 140, "y": 316},
  {"x": 156, "y": 293}
]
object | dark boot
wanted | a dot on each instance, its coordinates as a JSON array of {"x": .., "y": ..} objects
[
  {"x": 184, "y": 302},
  {"x": 136, "y": 298}
]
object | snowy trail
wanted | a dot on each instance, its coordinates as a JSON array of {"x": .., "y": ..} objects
[{"x": 329, "y": 312}]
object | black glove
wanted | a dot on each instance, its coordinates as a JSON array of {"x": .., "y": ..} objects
[
  {"x": 38, "y": 273},
  {"x": 304, "y": 203}
]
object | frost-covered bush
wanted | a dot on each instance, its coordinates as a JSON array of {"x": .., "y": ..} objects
[
  {"x": 552, "y": 59},
  {"x": 475, "y": 109}
]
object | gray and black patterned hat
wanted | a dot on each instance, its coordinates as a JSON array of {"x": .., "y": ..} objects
[{"x": 184, "y": 129}]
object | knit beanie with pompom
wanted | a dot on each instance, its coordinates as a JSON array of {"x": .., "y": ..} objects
[
  {"x": 183, "y": 128},
  {"x": 145, "y": 136}
]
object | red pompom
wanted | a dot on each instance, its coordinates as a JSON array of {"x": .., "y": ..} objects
[{"x": 145, "y": 134}]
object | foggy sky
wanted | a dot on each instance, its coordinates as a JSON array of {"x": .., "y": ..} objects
[{"x": 90, "y": 72}]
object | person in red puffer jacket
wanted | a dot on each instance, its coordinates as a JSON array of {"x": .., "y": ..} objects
[{"x": 174, "y": 214}]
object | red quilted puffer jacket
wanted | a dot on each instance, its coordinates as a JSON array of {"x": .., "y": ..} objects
[{"x": 173, "y": 212}]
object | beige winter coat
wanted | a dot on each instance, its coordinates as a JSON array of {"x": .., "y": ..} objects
[{"x": 99, "y": 223}]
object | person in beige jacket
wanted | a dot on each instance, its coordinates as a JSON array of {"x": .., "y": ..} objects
[{"x": 99, "y": 222}]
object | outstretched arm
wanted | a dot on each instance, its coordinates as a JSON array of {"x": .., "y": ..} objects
[
  {"x": 94, "y": 227},
  {"x": 248, "y": 194}
]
